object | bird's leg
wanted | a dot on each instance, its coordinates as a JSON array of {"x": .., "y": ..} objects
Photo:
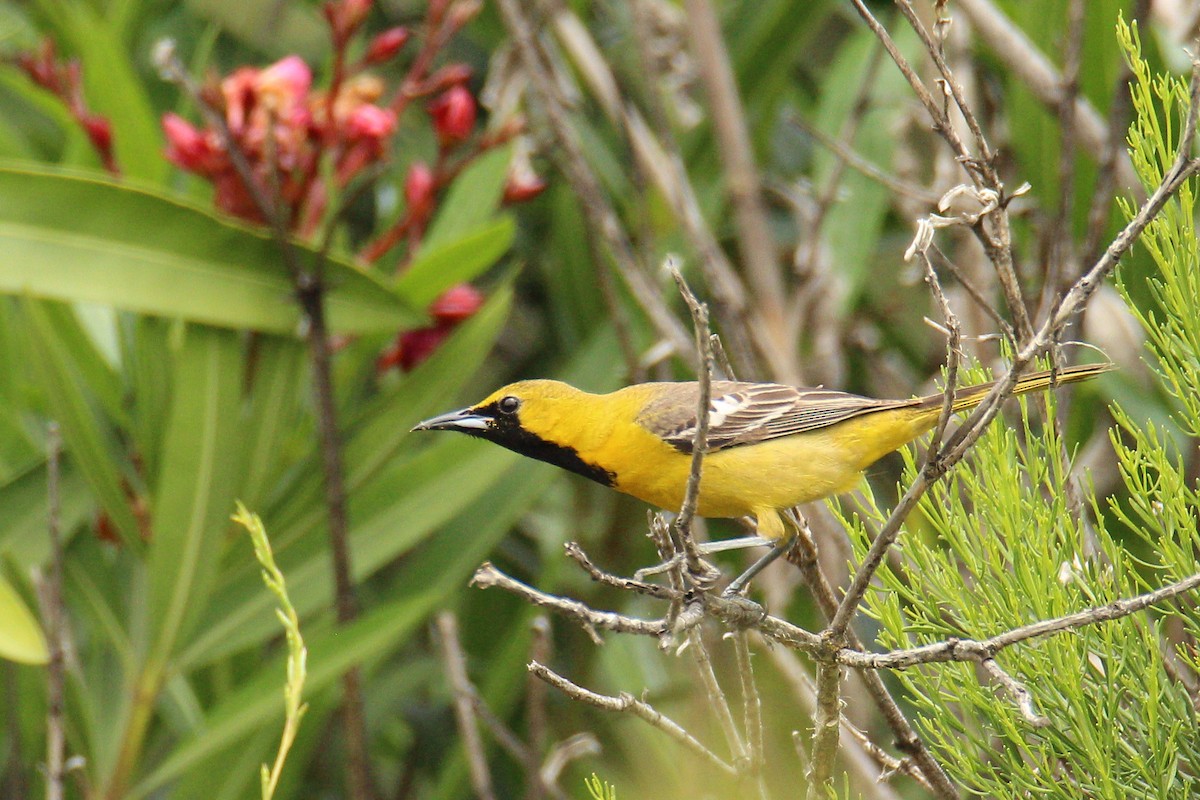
[
  {"x": 705, "y": 548},
  {"x": 740, "y": 583},
  {"x": 740, "y": 543}
]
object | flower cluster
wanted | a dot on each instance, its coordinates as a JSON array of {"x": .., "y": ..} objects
[
  {"x": 283, "y": 129},
  {"x": 305, "y": 145},
  {"x": 65, "y": 81}
]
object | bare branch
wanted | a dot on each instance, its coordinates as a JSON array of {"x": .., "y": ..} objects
[
  {"x": 627, "y": 703},
  {"x": 487, "y": 576},
  {"x": 464, "y": 706},
  {"x": 576, "y": 554},
  {"x": 701, "y": 572},
  {"x": 56, "y": 734},
  {"x": 1017, "y": 691},
  {"x": 826, "y": 728},
  {"x": 984, "y": 649}
]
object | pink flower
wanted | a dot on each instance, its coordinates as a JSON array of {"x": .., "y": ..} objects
[
  {"x": 284, "y": 85},
  {"x": 453, "y": 115},
  {"x": 189, "y": 148},
  {"x": 371, "y": 122}
]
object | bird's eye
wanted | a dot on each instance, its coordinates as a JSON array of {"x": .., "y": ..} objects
[{"x": 510, "y": 404}]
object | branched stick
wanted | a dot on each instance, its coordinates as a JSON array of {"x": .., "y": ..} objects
[
  {"x": 487, "y": 577},
  {"x": 627, "y": 703},
  {"x": 752, "y": 722},
  {"x": 984, "y": 649},
  {"x": 576, "y": 554}
]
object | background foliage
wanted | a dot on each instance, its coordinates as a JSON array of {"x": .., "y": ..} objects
[{"x": 164, "y": 341}]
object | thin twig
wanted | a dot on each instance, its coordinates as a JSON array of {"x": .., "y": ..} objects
[
  {"x": 864, "y": 166},
  {"x": 718, "y": 703},
  {"x": 1017, "y": 691},
  {"x": 826, "y": 728},
  {"x": 627, "y": 703},
  {"x": 464, "y": 706},
  {"x": 576, "y": 554},
  {"x": 56, "y": 739},
  {"x": 697, "y": 568},
  {"x": 752, "y": 722},
  {"x": 487, "y": 577},
  {"x": 953, "y": 343}
]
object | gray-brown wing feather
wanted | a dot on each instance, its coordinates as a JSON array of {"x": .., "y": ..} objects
[{"x": 745, "y": 413}]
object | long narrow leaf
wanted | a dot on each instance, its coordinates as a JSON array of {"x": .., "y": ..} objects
[
  {"x": 199, "y": 470},
  {"x": 143, "y": 251},
  {"x": 87, "y": 437}
]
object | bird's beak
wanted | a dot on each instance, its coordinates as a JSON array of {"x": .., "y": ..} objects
[{"x": 465, "y": 420}]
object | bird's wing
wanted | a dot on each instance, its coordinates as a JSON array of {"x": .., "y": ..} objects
[{"x": 746, "y": 413}]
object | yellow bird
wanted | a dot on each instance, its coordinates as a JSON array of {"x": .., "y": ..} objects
[{"x": 770, "y": 446}]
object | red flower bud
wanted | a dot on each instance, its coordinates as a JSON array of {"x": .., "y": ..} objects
[
  {"x": 384, "y": 46},
  {"x": 456, "y": 304},
  {"x": 99, "y": 132},
  {"x": 520, "y": 188},
  {"x": 344, "y": 17},
  {"x": 419, "y": 190},
  {"x": 416, "y": 346},
  {"x": 453, "y": 116}
]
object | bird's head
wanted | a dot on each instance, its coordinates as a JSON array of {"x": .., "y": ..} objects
[
  {"x": 541, "y": 419},
  {"x": 535, "y": 407}
]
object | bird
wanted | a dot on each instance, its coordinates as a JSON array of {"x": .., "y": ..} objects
[{"x": 770, "y": 446}]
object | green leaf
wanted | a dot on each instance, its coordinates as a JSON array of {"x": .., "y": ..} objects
[
  {"x": 24, "y": 522},
  {"x": 199, "y": 470},
  {"x": 389, "y": 517},
  {"x": 21, "y": 638},
  {"x": 472, "y": 199},
  {"x": 141, "y": 250},
  {"x": 88, "y": 438},
  {"x": 461, "y": 259}
]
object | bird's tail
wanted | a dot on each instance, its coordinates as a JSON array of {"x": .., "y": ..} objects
[{"x": 968, "y": 397}]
